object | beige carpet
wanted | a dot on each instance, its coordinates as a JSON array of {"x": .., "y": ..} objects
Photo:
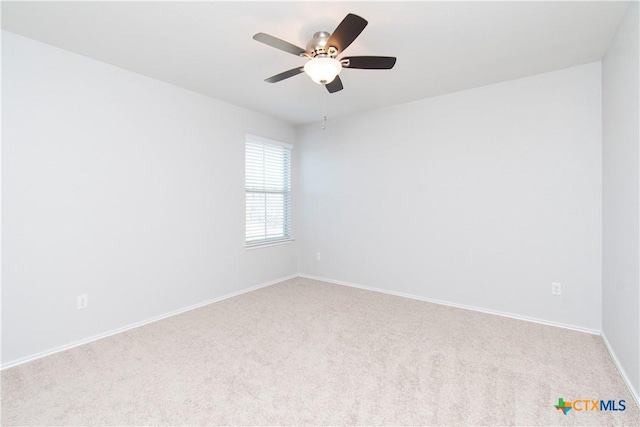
[{"x": 308, "y": 352}]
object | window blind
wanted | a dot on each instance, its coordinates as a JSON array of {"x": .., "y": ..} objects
[{"x": 268, "y": 191}]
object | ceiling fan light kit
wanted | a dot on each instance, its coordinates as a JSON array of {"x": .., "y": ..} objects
[
  {"x": 322, "y": 50},
  {"x": 323, "y": 70}
]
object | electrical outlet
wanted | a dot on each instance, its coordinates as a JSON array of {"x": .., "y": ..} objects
[
  {"x": 83, "y": 301},
  {"x": 556, "y": 288},
  {"x": 317, "y": 256}
]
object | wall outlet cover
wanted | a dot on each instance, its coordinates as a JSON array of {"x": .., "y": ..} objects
[{"x": 83, "y": 301}]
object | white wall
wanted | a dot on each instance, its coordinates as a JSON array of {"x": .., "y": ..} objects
[
  {"x": 122, "y": 187},
  {"x": 480, "y": 198},
  {"x": 621, "y": 197},
  {"x": 130, "y": 190}
]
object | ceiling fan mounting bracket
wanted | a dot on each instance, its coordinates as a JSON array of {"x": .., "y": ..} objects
[{"x": 317, "y": 46}]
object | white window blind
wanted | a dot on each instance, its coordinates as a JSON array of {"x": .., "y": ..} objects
[{"x": 268, "y": 191}]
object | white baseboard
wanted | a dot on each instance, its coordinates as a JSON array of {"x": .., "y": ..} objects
[
  {"x": 138, "y": 324},
  {"x": 623, "y": 374},
  {"x": 456, "y": 305}
]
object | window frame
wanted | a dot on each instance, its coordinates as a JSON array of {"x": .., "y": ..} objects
[{"x": 287, "y": 193}]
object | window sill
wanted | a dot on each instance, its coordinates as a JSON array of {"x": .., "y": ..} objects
[{"x": 268, "y": 244}]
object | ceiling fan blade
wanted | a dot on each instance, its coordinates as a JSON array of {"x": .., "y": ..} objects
[
  {"x": 347, "y": 31},
  {"x": 335, "y": 85},
  {"x": 279, "y": 44},
  {"x": 370, "y": 62},
  {"x": 285, "y": 75}
]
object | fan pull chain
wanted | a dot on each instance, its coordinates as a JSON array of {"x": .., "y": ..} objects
[{"x": 324, "y": 111}]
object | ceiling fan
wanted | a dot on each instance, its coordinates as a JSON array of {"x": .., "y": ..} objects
[{"x": 323, "y": 67}]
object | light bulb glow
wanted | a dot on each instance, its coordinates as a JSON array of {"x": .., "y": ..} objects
[{"x": 322, "y": 70}]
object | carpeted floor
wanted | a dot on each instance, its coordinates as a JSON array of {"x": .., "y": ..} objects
[{"x": 308, "y": 352}]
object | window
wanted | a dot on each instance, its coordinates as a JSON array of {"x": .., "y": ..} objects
[{"x": 268, "y": 191}]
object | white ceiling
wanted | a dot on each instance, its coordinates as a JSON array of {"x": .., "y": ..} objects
[{"x": 207, "y": 47}]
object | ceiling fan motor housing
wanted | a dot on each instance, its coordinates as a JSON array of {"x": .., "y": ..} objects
[{"x": 317, "y": 46}]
